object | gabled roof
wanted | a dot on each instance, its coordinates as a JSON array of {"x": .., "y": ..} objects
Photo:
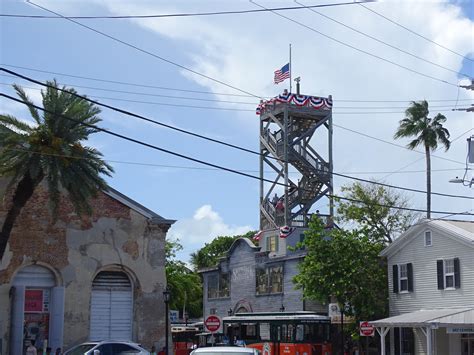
[
  {"x": 462, "y": 231},
  {"x": 242, "y": 240},
  {"x": 137, "y": 207}
]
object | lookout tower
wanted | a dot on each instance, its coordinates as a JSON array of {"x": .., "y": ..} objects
[{"x": 291, "y": 127}]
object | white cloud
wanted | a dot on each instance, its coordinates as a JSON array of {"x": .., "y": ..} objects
[{"x": 205, "y": 225}]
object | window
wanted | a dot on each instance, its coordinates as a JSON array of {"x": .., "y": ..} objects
[
  {"x": 449, "y": 274},
  {"x": 402, "y": 278},
  {"x": 124, "y": 349},
  {"x": 218, "y": 286},
  {"x": 269, "y": 280},
  {"x": 272, "y": 243},
  {"x": 428, "y": 241}
]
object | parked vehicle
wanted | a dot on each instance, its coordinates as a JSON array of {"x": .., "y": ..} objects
[
  {"x": 225, "y": 350},
  {"x": 184, "y": 339},
  {"x": 109, "y": 347}
]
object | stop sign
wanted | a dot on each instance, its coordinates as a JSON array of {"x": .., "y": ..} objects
[
  {"x": 366, "y": 329},
  {"x": 212, "y": 323}
]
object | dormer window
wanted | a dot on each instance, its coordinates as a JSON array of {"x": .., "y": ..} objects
[
  {"x": 428, "y": 240},
  {"x": 272, "y": 243}
]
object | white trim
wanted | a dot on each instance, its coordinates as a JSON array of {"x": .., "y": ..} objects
[
  {"x": 446, "y": 274},
  {"x": 428, "y": 231},
  {"x": 404, "y": 278}
]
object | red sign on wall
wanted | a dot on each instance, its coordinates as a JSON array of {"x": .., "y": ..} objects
[{"x": 33, "y": 300}]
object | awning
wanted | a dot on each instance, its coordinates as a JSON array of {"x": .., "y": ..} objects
[{"x": 445, "y": 317}]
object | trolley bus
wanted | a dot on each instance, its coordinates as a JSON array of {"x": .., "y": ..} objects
[
  {"x": 184, "y": 338},
  {"x": 280, "y": 333}
]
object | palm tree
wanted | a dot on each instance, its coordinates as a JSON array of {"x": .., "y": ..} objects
[
  {"x": 427, "y": 132},
  {"x": 50, "y": 149}
]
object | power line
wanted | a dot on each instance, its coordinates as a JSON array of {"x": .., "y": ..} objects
[
  {"x": 199, "y": 91},
  {"x": 136, "y": 141},
  {"x": 128, "y": 113},
  {"x": 356, "y": 48},
  {"x": 383, "y": 42},
  {"x": 417, "y": 160},
  {"x": 192, "y": 14},
  {"x": 166, "y": 60},
  {"x": 415, "y": 33},
  {"x": 182, "y": 130},
  {"x": 208, "y": 100},
  {"x": 394, "y": 144}
]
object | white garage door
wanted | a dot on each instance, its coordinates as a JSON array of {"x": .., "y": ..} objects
[{"x": 111, "y": 307}]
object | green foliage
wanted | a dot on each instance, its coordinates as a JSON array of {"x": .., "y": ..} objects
[
  {"x": 210, "y": 253},
  {"x": 428, "y": 132},
  {"x": 52, "y": 148},
  {"x": 184, "y": 284},
  {"x": 378, "y": 223},
  {"x": 344, "y": 265}
]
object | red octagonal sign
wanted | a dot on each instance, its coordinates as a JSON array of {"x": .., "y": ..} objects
[
  {"x": 366, "y": 329},
  {"x": 212, "y": 323}
]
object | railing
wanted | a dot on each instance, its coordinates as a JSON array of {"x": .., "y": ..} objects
[
  {"x": 303, "y": 220},
  {"x": 320, "y": 166}
]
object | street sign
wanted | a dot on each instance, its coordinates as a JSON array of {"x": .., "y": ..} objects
[
  {"x": 212, "y": 323},
  {"x": 366, "y": 329}
]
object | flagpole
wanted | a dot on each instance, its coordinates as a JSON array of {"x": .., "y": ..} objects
[{"x": 290, "y": 68}]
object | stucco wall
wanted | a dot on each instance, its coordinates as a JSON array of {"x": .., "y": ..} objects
[{"x": 115, "y": 237}]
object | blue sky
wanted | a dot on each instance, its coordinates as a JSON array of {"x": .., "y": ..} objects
[{"x": 244, "y": 50}]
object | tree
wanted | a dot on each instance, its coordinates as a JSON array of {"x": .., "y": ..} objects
[
  {"x": 428, "y": 132},
  {"x": 51, "y": 149},
  {"x": 184, "y": 284},
  {"x": 344, "y": 265},
  {"x": 369, "y": 215},
  {"x": 210, "y": 253}
]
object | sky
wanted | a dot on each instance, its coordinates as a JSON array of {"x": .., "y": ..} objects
[{"x": 370, "y": 94}]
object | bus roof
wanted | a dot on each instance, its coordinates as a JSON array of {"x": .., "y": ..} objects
[{"x": 303, "y": 317}]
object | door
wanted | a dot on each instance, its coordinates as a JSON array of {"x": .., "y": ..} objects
[
  {"x": 467, "y": 346},
  {"x": 111, "y": 307}
]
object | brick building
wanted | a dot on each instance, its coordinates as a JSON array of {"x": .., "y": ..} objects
[{"x": 99, "y": 277}]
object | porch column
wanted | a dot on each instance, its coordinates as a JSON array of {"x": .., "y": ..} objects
[
  {"x": 429, "y": 342},
  {"x": 382, "y": 332}
]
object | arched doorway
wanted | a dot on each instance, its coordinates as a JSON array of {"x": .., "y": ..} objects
[
  {"x": 38, "y": 309},
  {"x": 111, "y": 306}
]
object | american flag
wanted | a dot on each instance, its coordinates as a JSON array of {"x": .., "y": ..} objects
[{"x": 282, "y": 74}]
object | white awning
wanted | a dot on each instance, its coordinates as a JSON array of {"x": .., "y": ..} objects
[{"x": 444, "y": 317}]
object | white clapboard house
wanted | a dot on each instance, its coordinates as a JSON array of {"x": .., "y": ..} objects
[{"x": 431, "y": 290}]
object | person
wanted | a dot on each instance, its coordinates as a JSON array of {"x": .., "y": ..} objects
[
  {"x": 275, "y": 199},
  {"x": 58, "y": 351},
  {"x": 48, "y": 350},
  {"x": 31, "y": 350},
  {"x": 153, "y": 350}
]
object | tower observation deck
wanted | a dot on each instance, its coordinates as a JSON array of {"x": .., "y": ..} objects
[{"x": 290, "y": 124}]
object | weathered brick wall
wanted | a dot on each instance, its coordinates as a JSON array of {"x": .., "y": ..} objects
[{"x": 77, "y": 249}]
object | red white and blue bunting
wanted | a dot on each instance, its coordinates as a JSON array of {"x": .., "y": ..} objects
[
  {"x": 318, "y": 103},
  {"x": 285, "y": 231},
  {"x": 257, "y": 235}
]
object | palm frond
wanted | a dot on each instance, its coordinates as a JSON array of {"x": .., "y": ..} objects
[
  {"x": 29, "y": 103},
  {"x": 14, "y": 124}
]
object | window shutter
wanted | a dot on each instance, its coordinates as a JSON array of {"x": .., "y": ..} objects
[
  {"x": 410, "y": 277},
  {"x": 395, "y": 278},
  {"x": 457, "y": 273},
  {"x": 396, "y": 340},
  {"x": 439, "y": 266},
  {"x": 56, "y": 329}
]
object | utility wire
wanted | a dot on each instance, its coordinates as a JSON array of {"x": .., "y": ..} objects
[
  {"x": 383, "y": 42},
  {"x": 207, "y": 100},
  {"x": 415, "y": 33},
  {"x": 200, "y": 168},
  {"x": 355, "y": 48},
  {"x": 417, "y": 160},
  {"x": 184, "y": 131},
  {"x": 190, "y": 14},
  {"x": 200, "y": 91},
  {"x": 199, "y": 161},
  {"x": 166, "y": 60},
  {"x": 128, "y": 113}
]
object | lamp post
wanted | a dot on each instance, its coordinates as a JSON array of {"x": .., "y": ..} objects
[{"x": 166, "y": 299}]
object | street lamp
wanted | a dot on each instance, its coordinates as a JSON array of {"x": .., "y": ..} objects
[{"x": 166, "y": 299}]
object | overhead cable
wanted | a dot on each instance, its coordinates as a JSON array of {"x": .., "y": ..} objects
[
  {"x": 356, "y": 48},
  {"x": 192, "y": 133},
  {"x": 189, "y": 14},
  {"x": 199, "y": 161}
]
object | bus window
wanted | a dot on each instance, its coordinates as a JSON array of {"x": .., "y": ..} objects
[{"x": 300, "y": 332}]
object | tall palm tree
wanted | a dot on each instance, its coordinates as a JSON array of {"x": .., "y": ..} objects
[
  {"x": 50, "y": 149},
  {"x": 428, "y": 132}
]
